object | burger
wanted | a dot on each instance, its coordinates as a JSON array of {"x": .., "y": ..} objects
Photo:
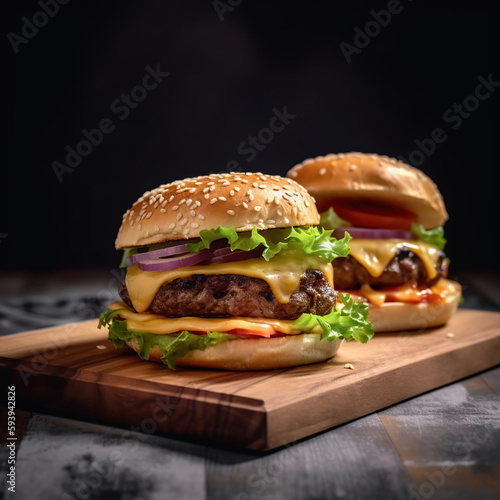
[
  {"x": 395, "y": 215},
  {"x": 231, "y": 271}
]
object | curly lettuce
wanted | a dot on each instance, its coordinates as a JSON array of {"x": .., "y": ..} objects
[
  {"x": 171, "y": 346},
  {"x": 330, "y": 220},
  {"x": 349, "y": 321},
  {"x": 309, "y": 241},
  {"x": 432, "y": 236}
]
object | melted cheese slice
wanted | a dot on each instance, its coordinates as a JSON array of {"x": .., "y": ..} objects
[
  {"x": 154, "y": 323},
  {"x": 436, "y": 293},
  {"x": 281, "y": 273},
  {"x": 375, "y": 255}
]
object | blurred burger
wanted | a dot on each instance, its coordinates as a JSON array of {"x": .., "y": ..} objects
[
  {"x": 231, "y": 271},
  {"x": 395, "y": 215}
]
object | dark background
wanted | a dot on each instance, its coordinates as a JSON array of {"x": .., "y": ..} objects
[{"x": 226, "y": 77}]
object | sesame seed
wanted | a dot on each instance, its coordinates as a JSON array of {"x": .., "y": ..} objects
[
  {"x": 182, "y": 201},
  {"x": 257, "y": 208},
  {"x": 192, "y": 190},
  {"x": 183, "y": 221},
  {"x": 250, "y": 197},
  {"x": 287, "y": 220},
  {"x": 149, "y": 215},
  {"x": 185, "y": 231},
  {"x": 172, "y": 225},
  {"x": 307, "y": 204},
  {"x": 171, "y": 198},
  {"x": 245, "y": 205},
  {"x": 179, "y": 216},
  {"x": 194, "y": 225},
  {"x": 200, "y": 216},
  {"x": 210, "y": 183},
  {"x": 131, "y": 222},
  {"x": 198, "y": 183},
  {"x": 322, "y": 171},
  {"x": 213, "y": 200},
  {"x": 244, "y": 181},
  {"x": 294, "y": 210},
  {"x": 175, "y": 207},
  {"x": 206, "y": 190},
  {"x": 162, "y": 210},
  {"x": 156, "y": 228},
  {"x": 254, "y": 184},
  {"x": 349, "y": 366},
  {"x": 271, "y": 221},
  {"x": 237, "y": 188},
  {"x": 164, "y": 203},
  {"x": 206, "y": 196},
  {"x": 231, "y": 193},
  {"x": 212, "y": 188},
  {"x": 197, "y": 203},
  {"x": 270, "y": 199},
  {"x": 143, "y": 216},
  {"x": 156, "y": 204},
  {"x": 146, "y": 233},
  {"x": 230, "y": 212},
  {"x": 289, "y": 181},
  {"x": 221, "y": 198},
  {"x": 262, "y": 186},
  {"x": 193, "y": 213},
  {"x": 280, "y": 213}
]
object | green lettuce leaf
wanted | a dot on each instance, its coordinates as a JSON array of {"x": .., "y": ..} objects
[
  {"x": 171, "y": 346},
  {"x": 348, "y": 322},
  {"x": 432, "y": 236},
  {"x": 330, "y": 220},
  {"x": 310, "y": 241}
]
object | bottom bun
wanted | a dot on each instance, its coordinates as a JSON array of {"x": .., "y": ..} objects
[
  {"x": 255, "y": 354},
  {"x": 398, "y": 316}
]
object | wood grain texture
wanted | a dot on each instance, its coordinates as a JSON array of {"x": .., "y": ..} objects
[{"x": 65, "y": 370}]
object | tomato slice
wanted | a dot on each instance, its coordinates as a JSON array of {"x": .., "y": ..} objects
[
  {"x": 271, "y": 332},
  {"x": 370, "y": 214}
]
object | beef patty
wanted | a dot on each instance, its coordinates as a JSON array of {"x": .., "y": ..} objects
[
  {"x": 236, "y": 295},
  {"x": 405, "y": 267}
]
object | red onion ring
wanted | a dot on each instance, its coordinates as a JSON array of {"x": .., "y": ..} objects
[{"x": 175, "y": 262}]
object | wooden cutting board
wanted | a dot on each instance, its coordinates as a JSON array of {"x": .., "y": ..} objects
[{"x": 73, "y": 370}]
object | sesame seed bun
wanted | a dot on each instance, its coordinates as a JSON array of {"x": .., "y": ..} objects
[
  {"x": 181, "y": 209},
  {"x": 372, "y": 177},
  {"x": 255, "y": 354}
]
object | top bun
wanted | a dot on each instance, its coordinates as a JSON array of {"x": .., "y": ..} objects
[
  {"x": 375, "y": 178},
  {"x": 181, "y": 209}
]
